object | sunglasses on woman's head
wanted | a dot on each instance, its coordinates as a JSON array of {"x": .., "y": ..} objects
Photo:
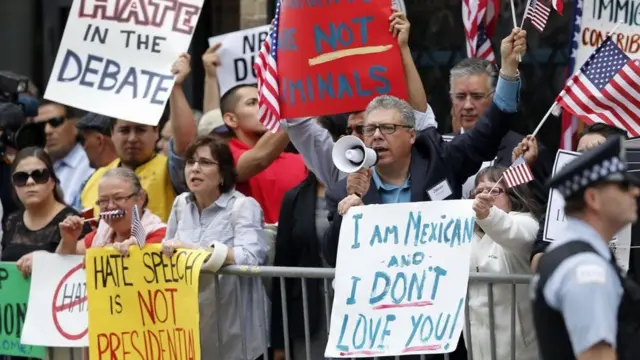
[{"x": 40, "y": 176}]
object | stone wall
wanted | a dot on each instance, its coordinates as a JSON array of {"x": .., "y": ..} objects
[{"x": 252, "y": 13}]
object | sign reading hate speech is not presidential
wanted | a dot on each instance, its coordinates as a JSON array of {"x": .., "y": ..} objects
[
  {"x": 115, "y": 57},
  {"x": 144, "y": 306},
  {"x": 14, "y": 295},
  {"x": 401, "y": 279},
  {"x": 335, "y": 57}
]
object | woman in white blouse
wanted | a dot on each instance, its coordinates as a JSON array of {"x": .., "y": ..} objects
[
  {"x": 214, "y": 216},
  {"x": 506, "y": 227}
]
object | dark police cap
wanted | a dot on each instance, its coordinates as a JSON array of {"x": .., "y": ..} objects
[
  {"x": 604, "y": 163},
  {"x": 96, "y": 122}
]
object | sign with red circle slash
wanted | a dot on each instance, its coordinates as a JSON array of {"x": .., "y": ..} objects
[{"x": 57, "y": 312}]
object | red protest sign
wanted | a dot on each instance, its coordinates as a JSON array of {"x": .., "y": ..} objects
[{"x": 335, "y": 56}]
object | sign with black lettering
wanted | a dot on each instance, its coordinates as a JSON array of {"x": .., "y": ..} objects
[
  {"x": 115, "y": 57},
  {"x": 237, "y": 56},
  {"x": 14, "y": 294}
]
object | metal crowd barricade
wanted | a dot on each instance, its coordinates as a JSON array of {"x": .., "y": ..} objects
[{"x": 328, "y": 274}]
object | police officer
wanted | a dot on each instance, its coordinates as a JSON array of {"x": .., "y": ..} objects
[{"x": 583, "y": 306}]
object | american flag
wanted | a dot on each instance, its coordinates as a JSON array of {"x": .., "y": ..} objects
[
  {"x": 136, "y": 228},
  {"x": 606, "y": 89},
  {"x": 518, "y": 173},
  {"x": 479, "y": 18},
  {"x": 569, "y": 121},
  {"x": 266, "y": 68},
  {"x": 538, "y": 12}
]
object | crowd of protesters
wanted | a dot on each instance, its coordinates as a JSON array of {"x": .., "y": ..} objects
[{"x": 219, "y": 179}]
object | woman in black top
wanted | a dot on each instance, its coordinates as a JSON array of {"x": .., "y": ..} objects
[{"x": 34, "y": 227}]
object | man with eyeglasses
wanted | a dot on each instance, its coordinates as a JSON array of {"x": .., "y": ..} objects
[
  {"x": 71, "y": 164},
  {"x": 472, "y": 88}
]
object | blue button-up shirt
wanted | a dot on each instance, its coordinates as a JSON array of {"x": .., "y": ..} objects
[
  {"x": 585, "y": 289},
  {"x": 392, "y": 194},
  {"x": 73, "y": 171}
]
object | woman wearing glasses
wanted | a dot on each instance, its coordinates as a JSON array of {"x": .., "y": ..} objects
[
  {"x": 35, "y": 226},
  {"x": 215, "y": 216},
  {"x": 506, "y": 227},
  {"x": 119, "y": 191}
]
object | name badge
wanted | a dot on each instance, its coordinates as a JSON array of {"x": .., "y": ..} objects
[{"x": 440, "y": 191}]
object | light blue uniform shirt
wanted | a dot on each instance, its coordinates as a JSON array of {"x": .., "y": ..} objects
[
  {"x": 585, "y": 289},
  {"x": 73, "y": 171},
  {"x": 506, "y": 99}
]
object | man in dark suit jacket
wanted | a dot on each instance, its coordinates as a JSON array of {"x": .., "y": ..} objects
[
  {"x": 432, "y": 169},
  {"x": 473, "y": 84}
]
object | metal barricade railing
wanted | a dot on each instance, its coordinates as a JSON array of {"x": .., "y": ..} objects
[{"x": 328, "y": 274}]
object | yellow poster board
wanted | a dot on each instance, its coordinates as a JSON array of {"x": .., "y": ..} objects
[{"x": 144, "y": 306}]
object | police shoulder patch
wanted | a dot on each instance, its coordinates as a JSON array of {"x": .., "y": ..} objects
[{"x": 591, "y": 274}]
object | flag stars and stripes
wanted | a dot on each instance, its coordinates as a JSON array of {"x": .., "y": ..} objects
[
  {"x": 518, "y": 173},
  {"x": 137, "y": 231},
  {"x": 538, "y": 12}
]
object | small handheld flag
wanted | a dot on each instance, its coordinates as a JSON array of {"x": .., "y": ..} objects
[
  {"x": 518, "y": 173},
  {"x": 137, "y": 231}
]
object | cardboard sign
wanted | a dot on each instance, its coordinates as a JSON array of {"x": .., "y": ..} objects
[
  {"x": 238, "y": 55},
  {"x": 115, "y": 57},
  {"x": 14, "y": 294},
  {"x": 594, "y": 20},
  {"x": 554, "y": 226},
  {"x": 335, "y": 57},
  {"x": 57, "y": 311},
  {"x": 401, "y": 279},
  {"x": 145, "y": 300}
]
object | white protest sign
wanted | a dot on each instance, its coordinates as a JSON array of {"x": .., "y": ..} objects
[
  {"x": 401, "y": 279},
  {"x": 115, "y": 57},
  {"x": 57, "y": 312},
  {"x": 237, "y": 54},
  {"x": 554, "y": 226},
  {"x": 598, "y": 17}
]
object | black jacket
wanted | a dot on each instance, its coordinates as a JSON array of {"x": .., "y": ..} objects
[
  {"x": 541, "y": 169},
  {"x": 433, "y": 161},
  {"x": 297, "y": 245}
]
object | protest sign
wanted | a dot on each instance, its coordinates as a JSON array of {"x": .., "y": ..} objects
[
  {"x": 57, "y": 310},
  {"x": 144, "y": 305},
  {"x": 594, "y": 19},
  {"x": 14, "y": 294},
  {"x": 115, "y": 57},
  {"x": 238, "y": 55},
  {"x": 334, "y": 57},
  {"x": 401, "y": 279},
  {"x": 554, "y": 226}
]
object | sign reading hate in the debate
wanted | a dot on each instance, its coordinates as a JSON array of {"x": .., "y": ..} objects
[
  {"x": 334, "y": 57},
  {"x": 115, "y": 56}
]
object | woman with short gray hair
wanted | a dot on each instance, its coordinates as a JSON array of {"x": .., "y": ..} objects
[{"x": 120, "y": 194}]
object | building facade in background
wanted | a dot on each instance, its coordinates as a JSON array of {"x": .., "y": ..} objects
[{"x": 30, "y": 31}]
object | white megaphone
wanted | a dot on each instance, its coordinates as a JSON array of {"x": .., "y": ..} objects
[{"x": 350, "y": 155}]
